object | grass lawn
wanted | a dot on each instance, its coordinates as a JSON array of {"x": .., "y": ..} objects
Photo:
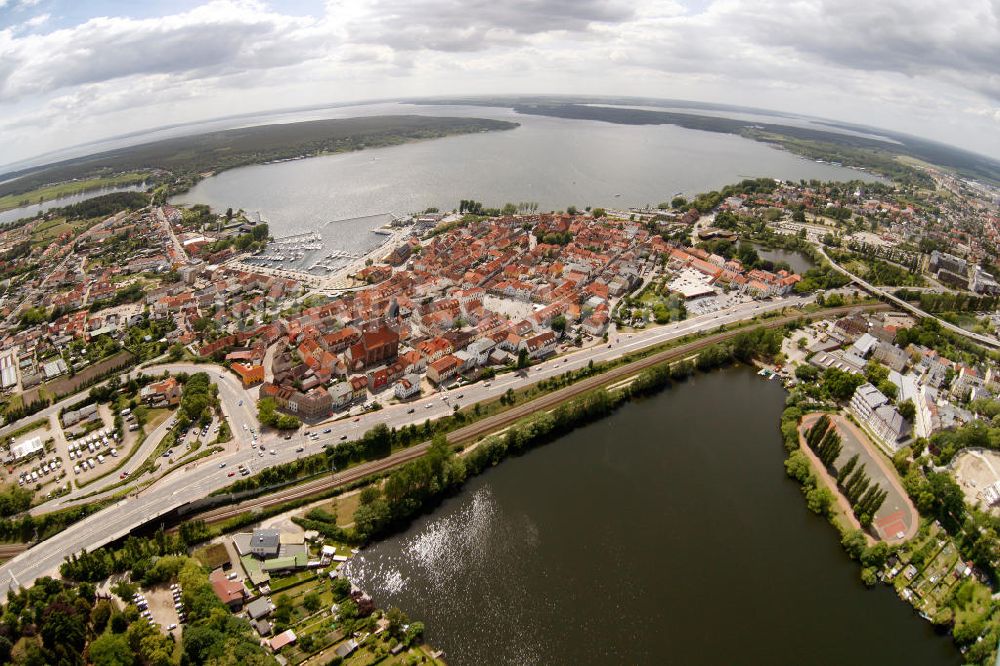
[
  {"x": 155, "y": 417},
  {"x": 342, "y": 506},
  {"x": 289, "y": 584},
  {"x": 15, "y": 403},
  {"x": 46, "y": 232},
  {"x": 972, "y": 601},
  {"x": 212, "y": 556}
]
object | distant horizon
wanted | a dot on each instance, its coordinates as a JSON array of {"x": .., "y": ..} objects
[
  {"x": 75, "y": 151},
  {"x": 78, "y": 72}
]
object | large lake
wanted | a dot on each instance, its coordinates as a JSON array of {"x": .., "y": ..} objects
[
  {"x": 552, "y": 161},
  {"x": 665, "y": 534}
]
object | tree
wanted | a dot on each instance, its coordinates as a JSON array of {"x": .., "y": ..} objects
[
  {"x": 397, "y": 619},
  {"x": 819, "y": 500},
  {"x": 854, "y": 543},
  {"x": 559, "y": 324},
  {"x": 63, "y": 626},
  {"x": 841, "y": 384},
  {"x": 847, "y": 468},
  {"x": 522, "y": 359},
  {"x": 111, "y": 650},
  {"x": 907, "y": 409},
  {"x": 311, "y": 601},
  {"x": 678, "y": 202}
]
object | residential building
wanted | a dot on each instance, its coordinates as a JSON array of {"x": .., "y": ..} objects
[
  {"x": 162, "y": 393},
  {"x": 875, "y": 410}
]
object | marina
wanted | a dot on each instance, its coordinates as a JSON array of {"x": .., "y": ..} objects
[{"x": 319, "y": 258}]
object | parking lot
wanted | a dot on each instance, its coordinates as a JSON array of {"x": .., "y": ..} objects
[
  {"x": 160, "y": 608},
  {"x": 44, "y": 470},
  {"x": 710, "y": 304}
]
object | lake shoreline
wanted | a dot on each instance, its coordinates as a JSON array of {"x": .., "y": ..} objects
[{"x": 372, "y": 567}]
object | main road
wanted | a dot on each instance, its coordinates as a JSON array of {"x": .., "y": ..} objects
[
  {"x": 183, "y": 486},
  {"x": 986, "y": 340}
]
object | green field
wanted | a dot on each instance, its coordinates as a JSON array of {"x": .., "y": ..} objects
[{"x": 49, "y": 192}]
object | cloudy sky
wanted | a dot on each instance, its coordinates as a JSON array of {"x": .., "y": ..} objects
[{"x": 73, "y": 71}]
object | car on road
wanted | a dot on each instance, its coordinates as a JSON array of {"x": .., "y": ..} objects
[
  {"x": 459, "y": 396},
  {"x": 357, "y": 418},
  {"x": 410, "y": 410},
  {"x": 261, "y": 452},
  {"x": 273, "y": 452},
  {"x": 221, "y": 465},
  {"x": 327, "y": 431},
  {"x": 287, "y": 437},
  {"x": 300, "y": 449},
  {"x": 240, "y": 404},
  {"x": 231, "y": 474},
  {"x": 428, "y": 406},
  {"x": 343, "y": 437}
]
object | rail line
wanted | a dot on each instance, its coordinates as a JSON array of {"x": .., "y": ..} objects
[{"x": 493, "y": 423}]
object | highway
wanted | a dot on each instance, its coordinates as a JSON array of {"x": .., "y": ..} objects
[
  {"x": 193, "y": 482},
  {"x": 992, "y": 343}
]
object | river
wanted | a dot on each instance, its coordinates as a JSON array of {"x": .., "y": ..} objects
[
  {"x": 8, "y": 216},
  {"x": 553, "y": 161},
  {"x": 664, "y": 534}
]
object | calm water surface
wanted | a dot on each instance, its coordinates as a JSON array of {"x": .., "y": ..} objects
[
  {"x": 665, "y": 534},
  {"x": 13, "y": 214},
  {"x": 552, "y": 161},
  {"x": 799, "y": 262}
]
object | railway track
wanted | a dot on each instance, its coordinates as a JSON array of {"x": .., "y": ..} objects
[
  {"x": 9, "y": 550},
  {"x": 498, "y": 421}
]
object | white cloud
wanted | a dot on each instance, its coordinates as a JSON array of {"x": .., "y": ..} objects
[{"x": 919, "y": 66}]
